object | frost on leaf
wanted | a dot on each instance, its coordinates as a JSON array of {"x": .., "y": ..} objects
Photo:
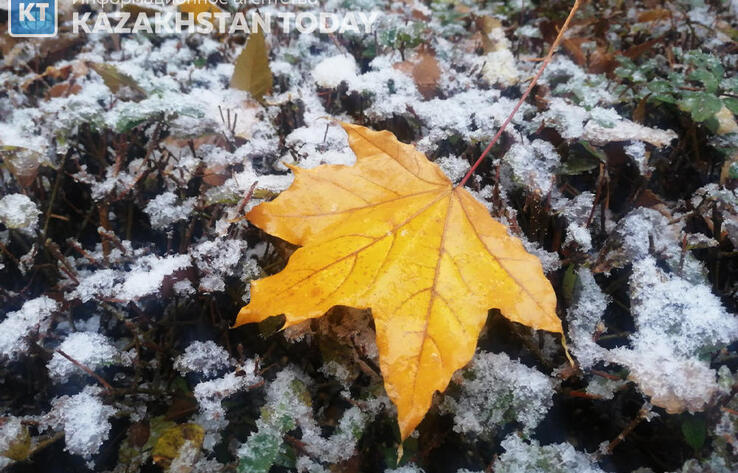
[
  {"x": 90, "y": 349},
  {"x": 494, "y": 391},
  {"x": 18, "y": 326},
  {"x": 84, "y": 420},
  {"x": 523, "y": 457}
]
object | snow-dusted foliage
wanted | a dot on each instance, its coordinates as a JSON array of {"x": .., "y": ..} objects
[
  {"x": 164, "y": 210},
  {"x": 677, "y": 324},
  {"x": 532, "y": 457},
  {"x": 288, "y": 406},
  {"x": 127, "y": 164},
  {"x": 210, "y": 394},
  {"x": 495, "y": 391}
]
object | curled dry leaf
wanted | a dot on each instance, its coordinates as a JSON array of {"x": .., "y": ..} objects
[
  {"x": 252, "y": 72},
  {"x": 118, "y": 82},
  {"x": 392, "y": 234},
  {"x": 425, "y": 72}
]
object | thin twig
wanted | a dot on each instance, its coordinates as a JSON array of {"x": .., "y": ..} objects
[
  {"x": 527, "y": 92},
  {"x": 87, "y": 370},
  {"x": 642, "y": 414}
]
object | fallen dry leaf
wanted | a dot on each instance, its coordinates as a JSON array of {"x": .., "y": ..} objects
[
  {"x": 392, "y": 233},
  {"x": 252, "y": 72},
  {"x": 425, "y": 71}
]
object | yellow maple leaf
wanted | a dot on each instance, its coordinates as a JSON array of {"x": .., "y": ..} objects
[{"x": 391, "y": 233}]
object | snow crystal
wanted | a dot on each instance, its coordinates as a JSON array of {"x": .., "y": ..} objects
[
  {"x": 163, "y": 210},
  {"x": 499, "y": 67},
  {"x": 147, "y": 275},
  {"x": 677, "y": 323},
  {"x": 496, "y": 390},
  {"x": 636, "y": 150},
  {"x": 91, "y": 349},
  {"x": 32, "y": 317},
  {"x": 643, "y": 227},
  {"x": 579, "y": 235},
  {"x": 216, "y": 260},
  {"x": 84, "y": 420},
  {"x": 584, "y": 315},
  {"x": 533, "y": 165},
  {"x": 203, "y": 357},
  {"x": 453, "y": 167},
  {"x": 690, "y": 315},
  {"x": 598, "y": 126},
  {"x": 330, "y": 72},
  {"x": 12, "y": 433},
  {"x": 549, "y": 259},
  {"x": 626, "y": 130},
  {"x": 92, "y": 284},
  {"x": 589, "y": 90},
  {"x": 18, "y": 211},
  {"x": 523, "y": 457},
  {"x": 673, "y": 382},
  {"x": 604, "y": 388},
  {"x": 411, "y": 468},
  {"x": 210, "y": 394},
  {"x": 566, "y": 118},
  {"x": 288, "y": 406}
]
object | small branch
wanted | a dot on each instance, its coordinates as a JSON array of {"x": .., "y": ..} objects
[
  {"x": 642, "y": 414},
  {"x": 87, "y": 370},
  {"x": 527, "y": 92}
]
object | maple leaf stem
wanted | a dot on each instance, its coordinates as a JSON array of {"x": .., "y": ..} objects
[{"x": 509, "y": 118}]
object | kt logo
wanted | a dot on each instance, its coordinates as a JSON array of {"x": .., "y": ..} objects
[{"x": 33, "y": 18}]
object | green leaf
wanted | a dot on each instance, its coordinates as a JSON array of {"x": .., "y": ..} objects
[
  {"x": 694, "y": 431},
  {"x": 666, "y": 98},
  {"x": 660, "y": 87},
  {"x": 731, "y": 103},
  {"x": 570, "y": 281},
  {"x": 252, "y": 72},
  {"x": 701, "y": 105},
  {"x": 707, "y": 78},
  {"x": 260, "y": 451}
]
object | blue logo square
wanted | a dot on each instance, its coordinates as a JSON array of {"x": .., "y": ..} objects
[{"x": 32, "y": 18}]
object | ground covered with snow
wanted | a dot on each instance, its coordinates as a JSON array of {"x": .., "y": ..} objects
[{"x": 126, "y": 162}]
